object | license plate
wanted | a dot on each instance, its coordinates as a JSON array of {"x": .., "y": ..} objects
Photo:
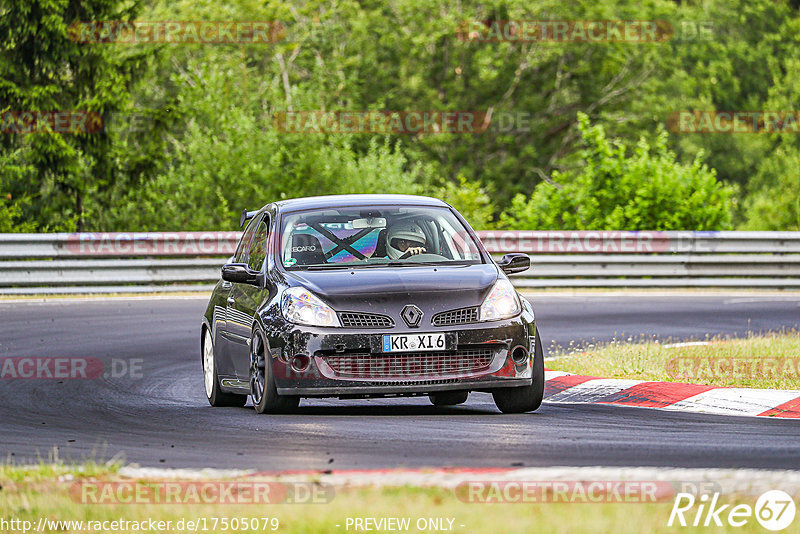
[{"x": 415, "y": 342}]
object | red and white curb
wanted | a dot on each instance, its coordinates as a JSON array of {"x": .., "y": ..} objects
[{"x": 566, "y": 388}]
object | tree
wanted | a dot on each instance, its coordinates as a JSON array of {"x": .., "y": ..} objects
[
  {"x": 776, "y": 206},
  {"x": 614, "y": 190},
  {"x": 45, "y": 69}
]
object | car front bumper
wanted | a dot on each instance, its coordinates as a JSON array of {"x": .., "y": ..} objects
[{"x": 325, "y": 362}]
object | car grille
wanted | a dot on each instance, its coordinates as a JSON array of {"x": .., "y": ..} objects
[
  {"x": 460, "y": 316},
  {"x": 411, "y": 364},
  {"x": 365, "y": 320},
  {"x": 417, "y": 382}
]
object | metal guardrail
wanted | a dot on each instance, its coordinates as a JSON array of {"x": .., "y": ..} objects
[{"x": 169, "y": 261}]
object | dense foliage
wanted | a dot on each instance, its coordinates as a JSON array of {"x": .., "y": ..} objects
[
  {"x": 640, "y": 189},
  {"x": 578, "y": 136}
]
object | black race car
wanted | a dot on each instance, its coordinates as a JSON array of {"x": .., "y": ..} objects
[{"x": 368, "y": 296}]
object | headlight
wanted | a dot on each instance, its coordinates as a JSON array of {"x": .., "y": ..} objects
[
  {"x": 501, "y": 303},
  {"x": 301, "y": 306}
]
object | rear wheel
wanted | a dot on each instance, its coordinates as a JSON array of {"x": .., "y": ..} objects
[
  {"x": 525, "y": 398},
  {"x": 214, "y": 394},
  {"x": 449, "y": 398},
  {"x": 262, "y": 381}
]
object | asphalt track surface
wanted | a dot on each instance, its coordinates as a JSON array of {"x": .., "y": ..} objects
[{"x": 162, "y": 419}]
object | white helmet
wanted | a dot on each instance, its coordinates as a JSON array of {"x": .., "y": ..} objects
[{"x": 403, "y": 230}]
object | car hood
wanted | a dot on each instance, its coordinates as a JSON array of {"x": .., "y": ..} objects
[{"x": 387, "y": 289}]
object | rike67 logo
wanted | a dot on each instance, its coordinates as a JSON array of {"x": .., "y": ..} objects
[{"x": 774, "y": 510}]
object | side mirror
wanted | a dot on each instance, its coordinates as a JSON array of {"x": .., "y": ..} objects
[
  {"x": 514, "y": 263},
  {"x": 239, "y": 273}
]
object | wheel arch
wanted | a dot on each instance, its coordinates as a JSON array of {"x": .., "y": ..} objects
[
  {"x": 203, "y": 327},
  {"x": 267, "y": 345}
]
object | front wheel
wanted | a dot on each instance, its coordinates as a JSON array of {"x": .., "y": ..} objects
[
  {"x": 214, "y": 394},
  {"x": 525, "y": 398},
  {"x": 449, "y": 398},
  {"x": 262, "y": 381}
]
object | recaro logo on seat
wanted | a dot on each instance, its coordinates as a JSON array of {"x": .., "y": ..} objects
[
  {"x": 306, "y": 248},
  {"x": 411, "y": 315}
]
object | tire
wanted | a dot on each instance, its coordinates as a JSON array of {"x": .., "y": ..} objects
[
  {"x": 525, "y": 398},
  {"x": 214, "y": 394},
  {"x": 449, "y": 398},
  {"x": 262, "y": 381}
]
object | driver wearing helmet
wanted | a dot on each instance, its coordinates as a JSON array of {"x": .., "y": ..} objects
[{"x": 404, "y": 239}]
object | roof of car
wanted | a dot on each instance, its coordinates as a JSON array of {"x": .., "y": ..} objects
[{"x": 351, "y": 200}]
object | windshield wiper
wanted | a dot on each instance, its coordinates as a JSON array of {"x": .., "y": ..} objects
[
  {"x": 327, "y": 267},
  {"x": 412, "y": 263}
]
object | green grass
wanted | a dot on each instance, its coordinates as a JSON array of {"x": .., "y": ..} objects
[
  {"x": 54, "y": 468},
  {"x": 770, "y": 361},
  {"x": 29, "y": 493}
]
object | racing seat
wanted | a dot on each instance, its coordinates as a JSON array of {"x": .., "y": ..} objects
[{"x": 307, "y": 250}]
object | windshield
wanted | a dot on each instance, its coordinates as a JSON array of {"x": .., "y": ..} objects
[{"x": 362, "y": 237}]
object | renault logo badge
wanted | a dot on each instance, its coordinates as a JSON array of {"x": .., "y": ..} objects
[{"x": 411, "y": 315}]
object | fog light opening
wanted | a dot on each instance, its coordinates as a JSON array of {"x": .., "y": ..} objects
[
  {"x": 520, "y": 356},
  {"x": 300, "y": 363}
]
